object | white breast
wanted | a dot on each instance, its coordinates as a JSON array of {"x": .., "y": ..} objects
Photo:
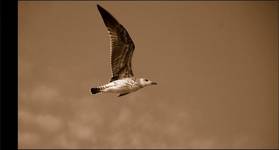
[{"x": 121, "y": 86}]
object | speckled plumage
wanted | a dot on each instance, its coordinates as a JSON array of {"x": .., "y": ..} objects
[{"x": 122, "y": 48}]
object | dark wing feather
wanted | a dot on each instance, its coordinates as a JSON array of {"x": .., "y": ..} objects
[{"x": 122, "y": 46}]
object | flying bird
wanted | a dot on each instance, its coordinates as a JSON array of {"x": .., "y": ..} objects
[{"x": 122, "y": 47}]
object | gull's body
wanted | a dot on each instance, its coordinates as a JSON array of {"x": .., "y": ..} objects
[
  {"x": 125, "y": 85},
  {"x": 122, "y": 48}
]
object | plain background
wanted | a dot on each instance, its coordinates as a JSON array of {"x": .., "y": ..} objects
[{"x": 216, "y": 64}]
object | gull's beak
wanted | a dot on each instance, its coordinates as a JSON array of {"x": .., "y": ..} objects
[{"x": 153, "y": 83}]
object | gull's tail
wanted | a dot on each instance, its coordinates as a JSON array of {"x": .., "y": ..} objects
[{"x": 95, "y": 90}]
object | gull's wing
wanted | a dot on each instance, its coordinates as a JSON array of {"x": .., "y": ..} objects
[{"x": 121, "y": 46}]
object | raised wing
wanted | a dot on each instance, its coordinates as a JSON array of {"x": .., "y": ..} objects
[{"x": 121, "y": 46}]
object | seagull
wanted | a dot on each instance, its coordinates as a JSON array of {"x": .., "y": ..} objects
[{"x": 122, "y": 47}]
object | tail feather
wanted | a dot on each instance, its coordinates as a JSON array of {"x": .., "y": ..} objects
[{"x": 95, "y": 90}]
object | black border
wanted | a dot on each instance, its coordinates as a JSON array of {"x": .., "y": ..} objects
[{"x": 8, "y": 101}]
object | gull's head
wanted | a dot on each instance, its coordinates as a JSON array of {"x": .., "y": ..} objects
[{"x": 145, "y": 82}]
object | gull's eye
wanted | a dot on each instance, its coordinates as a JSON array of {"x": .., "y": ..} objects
[{"x": 145, "y": 80}]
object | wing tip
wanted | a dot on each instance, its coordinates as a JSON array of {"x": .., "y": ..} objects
[
  {"x": 99, "y": 7},
  {"x": 109, "y": 20}
]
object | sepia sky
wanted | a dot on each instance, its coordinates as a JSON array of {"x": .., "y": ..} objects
[{"x": 216, "y": 65}]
